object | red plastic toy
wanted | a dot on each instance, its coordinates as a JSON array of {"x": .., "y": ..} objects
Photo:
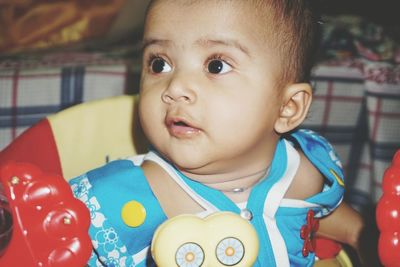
[
  {"x": 388, "y": 215},
  {"x": 48, "y": 226}
]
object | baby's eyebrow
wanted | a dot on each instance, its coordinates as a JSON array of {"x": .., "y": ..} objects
[
  {"x": 150, "y": 41},
  {"x": 225, "y": 42}
]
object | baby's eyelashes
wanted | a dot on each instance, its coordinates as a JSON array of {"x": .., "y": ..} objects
[
  {"x": 159, "y": 65},
  {"x": 218, "y": 66},
  {"x": 214, "y": 65}
]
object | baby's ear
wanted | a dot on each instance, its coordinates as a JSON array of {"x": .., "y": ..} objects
[{"x": 296, "y": 101}]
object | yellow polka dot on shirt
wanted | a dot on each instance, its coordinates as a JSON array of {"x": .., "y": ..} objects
[{"x": 133, "y": 213}]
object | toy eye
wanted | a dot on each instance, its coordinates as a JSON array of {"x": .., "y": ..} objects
[
  {"x": 230, "y": 251},
  {"x": 189, "y": 255}
]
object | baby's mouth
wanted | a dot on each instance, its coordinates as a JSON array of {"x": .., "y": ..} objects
[
  {"x": 181, "y": 128},
  {"x": 181, "y": 123}
]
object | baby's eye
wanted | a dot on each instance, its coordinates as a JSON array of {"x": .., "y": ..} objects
[
  {"x": 218, "y": 66},
  {"x": 159, "y": 65}
]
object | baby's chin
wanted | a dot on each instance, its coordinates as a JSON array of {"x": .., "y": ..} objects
[
  {"x": 193, "y": 164},
  {"x": 190, "y": 164}
]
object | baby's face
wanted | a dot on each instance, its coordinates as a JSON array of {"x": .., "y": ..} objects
[{"x": 208, "y": 98}]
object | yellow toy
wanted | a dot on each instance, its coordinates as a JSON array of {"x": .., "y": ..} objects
[{"x": 220, "y": 239}]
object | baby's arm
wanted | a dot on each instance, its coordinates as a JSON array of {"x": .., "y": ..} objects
[
  {"x": 346, "y": 226},
  {"x": 308, "y": 182},
  {"x": 350, "y": 222}
]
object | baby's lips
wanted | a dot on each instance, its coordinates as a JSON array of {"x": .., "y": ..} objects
[{"x": 50, "y": 225}]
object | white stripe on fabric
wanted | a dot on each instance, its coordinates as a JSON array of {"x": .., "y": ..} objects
[
  {"x": 174, "y": 175},
  {"x": 297, "y": 203},
  {"x": 277, "y": 243},
  {"x": 279, "y": 189},
  {"x": 137, "y": 159},
  {"x": 272, "y": 202},
  {"x": 141, "y": 255},
  {"x": 203, "y": 214}
]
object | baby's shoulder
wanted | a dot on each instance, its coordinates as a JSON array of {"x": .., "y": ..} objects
[
  {"x": 111, "y": 172},
  {"x": 319, "y": 152},
  {"x": 120, "y": 200},
  {"x": 122, "y": 176},
  {"x": 319, "y": 165},
  {"x": 307, "y": 182}
]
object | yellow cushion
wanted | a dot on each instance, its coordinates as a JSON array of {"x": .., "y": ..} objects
[{"x": 90, "y": 134}]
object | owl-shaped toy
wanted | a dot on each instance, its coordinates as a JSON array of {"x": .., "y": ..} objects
[{"x": 221, "y": 239}]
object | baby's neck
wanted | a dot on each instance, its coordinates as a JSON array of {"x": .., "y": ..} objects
[{"x": 237, "y": 188}]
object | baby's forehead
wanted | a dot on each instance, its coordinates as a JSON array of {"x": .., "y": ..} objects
[
  {"x": 263, "y": 6},
  {"x": 262, "y": 11},
  {"x": 236, "y": 13},
  {"x": 223, "y": 16}
]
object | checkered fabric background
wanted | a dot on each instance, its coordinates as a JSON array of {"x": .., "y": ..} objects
[
  {"x": 357, "y": 108},
  {"x": 30, "y": 93},
  {"x": 383, "y": 108}
]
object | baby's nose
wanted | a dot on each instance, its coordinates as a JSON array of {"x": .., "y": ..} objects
[{"x": 180, "y": 89}]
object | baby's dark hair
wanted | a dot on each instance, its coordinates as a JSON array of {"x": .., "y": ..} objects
[{"x": 295, "y": 29}]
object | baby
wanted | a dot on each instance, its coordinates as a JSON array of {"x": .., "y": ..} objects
[{"x": 224, "y": 86}]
